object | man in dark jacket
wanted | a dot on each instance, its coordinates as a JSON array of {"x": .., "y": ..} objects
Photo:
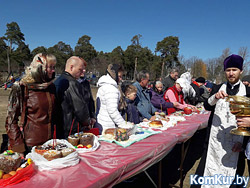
[
  {"x": 170, "y": 80},
  {"x": 73, "y": 109}
]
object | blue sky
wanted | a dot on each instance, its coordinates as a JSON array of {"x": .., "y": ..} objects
[{"x": 204, "y": 27}]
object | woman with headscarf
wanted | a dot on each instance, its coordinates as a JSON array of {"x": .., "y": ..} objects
[
  {"x": 175, "y": 94},
  {"x": 107, "y": 99},
  {"x": 33, "y": 98},
  {"x": 188, "y": 91},
  {"x": 157, "y": 98}
]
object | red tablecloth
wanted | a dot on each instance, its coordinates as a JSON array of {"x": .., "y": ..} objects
[{"x": 111, "y": 163}]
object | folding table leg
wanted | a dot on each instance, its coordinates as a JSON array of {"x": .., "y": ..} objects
[
  {"x": 159, "y": 174},
  {"x": 152, "y": 181},
  {"x": 183, "y": 155}
]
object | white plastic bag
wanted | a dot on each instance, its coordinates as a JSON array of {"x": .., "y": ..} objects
[
  {"x": 59, "y": 163},
  {"x": 95, "y": 146}
]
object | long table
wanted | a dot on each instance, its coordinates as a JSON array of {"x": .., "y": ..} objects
[{"x": 111, "y": 164}]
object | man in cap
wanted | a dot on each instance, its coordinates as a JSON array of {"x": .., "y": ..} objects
[
  {"x": 197, "y": 86},
  {"x": 223, "y": 147},
  {"x": 246, "y": 80}
]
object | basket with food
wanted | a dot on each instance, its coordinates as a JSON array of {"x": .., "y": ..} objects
[{"x": 54, "y": 154}]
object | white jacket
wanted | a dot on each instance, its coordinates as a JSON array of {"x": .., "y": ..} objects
[{"x": 109, "y": 96}]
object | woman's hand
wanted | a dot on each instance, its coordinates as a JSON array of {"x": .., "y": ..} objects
[
  {"x": 192, "y": 107},
  {"x": 243, "y": 121},
  {"x": 152, "y": 118},
  {"x": 176, "y": 104}
]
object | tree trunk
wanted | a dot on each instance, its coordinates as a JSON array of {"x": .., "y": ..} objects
[
  {"x": 8, "y": 60},
  {"x": 135, "y": 71},
  {"x": 162, "y": 68}
]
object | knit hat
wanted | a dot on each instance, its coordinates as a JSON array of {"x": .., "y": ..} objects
[
  {"x": 209, "y": 85},
  {"x": 200, "y": 80},
  {"x": 112, "y": 70},
  {"x": 233, "y": 61}
]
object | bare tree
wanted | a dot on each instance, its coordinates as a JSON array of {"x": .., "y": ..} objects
[{"x": 243, "y": 52}]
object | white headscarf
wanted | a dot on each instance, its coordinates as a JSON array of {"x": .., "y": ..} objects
[
  {"x": 187, "y": 76},
  {"x": 187, "y": 89}
]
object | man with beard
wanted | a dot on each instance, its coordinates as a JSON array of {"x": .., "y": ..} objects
[{"x": 223, "y": 154}]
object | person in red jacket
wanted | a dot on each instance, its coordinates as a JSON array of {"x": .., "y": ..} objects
[{"x": 175, "y": 94}]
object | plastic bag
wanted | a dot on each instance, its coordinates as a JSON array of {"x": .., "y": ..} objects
[
  {"x": 59, "y": 163},
  {"x": 95, "y": 146},
  {"x": 21, "y": 175}
]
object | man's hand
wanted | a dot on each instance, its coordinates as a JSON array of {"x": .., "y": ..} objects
[
  {"x": 157, "y": 113},
  {"x": 237, "y": 147},
  {"x": 221, "y": 95},
  {"x": 243, "y": 121},
  {"x": 92, "y": 121}
]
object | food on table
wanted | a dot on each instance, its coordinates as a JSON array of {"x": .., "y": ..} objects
[
  {"x": 167, "y": 119},
  {"x": 12, "y": 173},
  {"x": 187, "y": 110},
  {"x": 87, "y": 138},
  {"x": 121, "y": 134},
  {"x": 127, "y": 125},
  {"x": 89, "y": 146},
  {"x": 156, "y": 124},
  {"x": 67, "y": 151},
  {"x": 74, "y": 140},
  {"x": 162, "y": 114},
  {"x": 52, "y": 154},
  {"x": 81, "y": 146},
  {"x": 20, "y": 168},
  {"x": 40, "y": 149},
  {"x": 109, "y": 133},
  {"x": 1, "y": 174},
  {"x": 9, "y": 161},
  {"x": 130, "y": 127},
  {"x": 6, "y": 176},
  {"x": 60, "y": 146}
]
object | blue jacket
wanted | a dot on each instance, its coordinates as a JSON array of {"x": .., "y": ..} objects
[
  {"x": 131, "y": 112},
  {"x": 142, "y": 101}
]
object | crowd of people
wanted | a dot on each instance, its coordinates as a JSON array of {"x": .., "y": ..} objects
[{"x": 65, "y": 105}]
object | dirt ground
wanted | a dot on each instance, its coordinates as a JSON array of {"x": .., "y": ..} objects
[{"x": 3, "y": 109}]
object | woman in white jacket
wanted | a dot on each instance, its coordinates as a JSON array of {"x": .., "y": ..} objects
[{"x": 107, "y": 99}]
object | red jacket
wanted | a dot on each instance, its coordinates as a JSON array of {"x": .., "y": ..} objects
[{"x": 178, "y": 95}]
